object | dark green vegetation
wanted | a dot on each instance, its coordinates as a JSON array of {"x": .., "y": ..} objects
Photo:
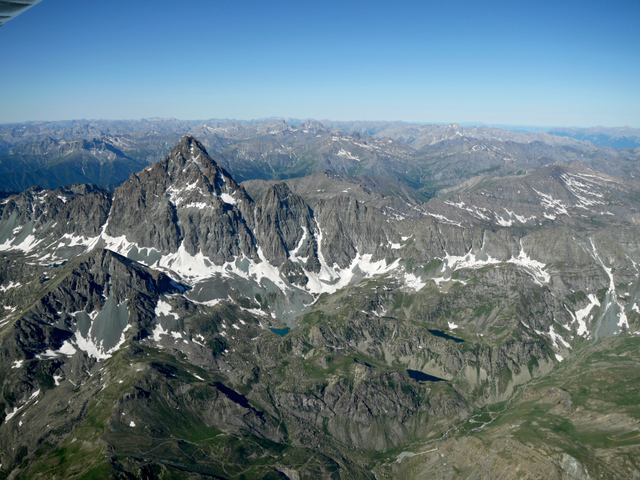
[{"x": 582, "y": 420}]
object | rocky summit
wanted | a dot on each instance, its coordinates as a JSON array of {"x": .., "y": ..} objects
[{"x": 380, "y": 314}]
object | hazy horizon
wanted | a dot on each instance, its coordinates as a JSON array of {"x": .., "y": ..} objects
[
  {"x": 524, "y": 128},
  {"x": 573, "y": 64}
]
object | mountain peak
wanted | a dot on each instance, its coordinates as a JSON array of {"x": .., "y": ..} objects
[
  {"x": 188, "y": 146},
  {"x": 190, "y": 157},
  {"x": 168, "y": 204},
  {"x": 189, "y": 169}
]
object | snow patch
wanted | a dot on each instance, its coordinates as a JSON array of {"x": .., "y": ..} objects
[
  {"x": 581, "y": 315},
  {"x": 228, "y": 199},
  {"x": 195, "y": 267},
  {"x": 96, "y": 350},
  {"x": 70, "y": 240},
  {"x": 164, "y": 308},
  {"x": 478, "y": 212},
  {"x": 198, "y": 205},
  {"x": 117, "y": 244},
  {"x": 208, "y": 303},
  {"x": 520, "y": 218},
  {"x": 348, "y": 155},
  {"x": 414, "y": 282},
  {"x": 11, "y": 285},
  {"x": 469, "y": 260},
  {"x": 26, "y": 246},
  {"x": 622, "y": 316},
  {"x": 548, "y": 202},
  {"x": 159, "y": 331},
  {"x": 67, "y": 349},
  {"x": 555, "y": 338},
  {"x": 17, "y": 409},
  {"x": 581, "y": 191},
  {"x": 254, "y": 311},
  {"x": 293, "y": 255},
  {"x": 533, "y": 267},
  {"x": 332, "y": 279}
]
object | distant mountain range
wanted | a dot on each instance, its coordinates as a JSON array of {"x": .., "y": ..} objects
[
  {"x": 51, "y": 163},
  {"x": 621, "y": 137},
  {"x": 426, "y": 158}
]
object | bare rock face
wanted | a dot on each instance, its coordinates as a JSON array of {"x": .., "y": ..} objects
[
  {"x": 92, "y": 300},
  {"x": 79, "y": 210},
  {"x": 282, "y": 220},
  {"x": 350, "y": 228}
]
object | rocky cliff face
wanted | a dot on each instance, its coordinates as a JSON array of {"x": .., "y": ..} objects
[
  {"x": 37, "y": 215},
  {"x": 180, "y": 314},
  {"x": 284, "y": 223}
]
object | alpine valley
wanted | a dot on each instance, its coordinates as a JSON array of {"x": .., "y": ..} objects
[{"x": 355, "y": 300}]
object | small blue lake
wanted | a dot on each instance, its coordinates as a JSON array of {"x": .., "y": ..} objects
[{"x": 280, "y": 331}]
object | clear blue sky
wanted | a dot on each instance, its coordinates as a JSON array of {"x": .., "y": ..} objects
[{"x": 546, "y": 63}]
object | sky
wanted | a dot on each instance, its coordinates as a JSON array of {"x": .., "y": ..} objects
[{"x": 534, "y": 63}]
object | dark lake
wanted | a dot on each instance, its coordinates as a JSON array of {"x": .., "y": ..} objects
[
  {"x": 423, "y": 377},
  {"x": 441, "y": 334}
]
